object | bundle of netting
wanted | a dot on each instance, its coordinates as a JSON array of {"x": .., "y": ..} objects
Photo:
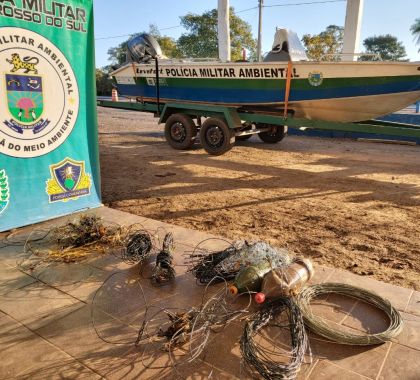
[
  {"x": 87, "y": 234},
  {"x": 227, "y": 263},
  {"x": 164, "y": 270},
  {"x": 87, "y": 230},
  {"x": 73, "y": 241},
  {"x": 179, "y": 328},
  {"x": 137, "y": 248}
]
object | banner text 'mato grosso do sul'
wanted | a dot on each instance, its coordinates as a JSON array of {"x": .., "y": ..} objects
[{"x": 49, "y": 163}]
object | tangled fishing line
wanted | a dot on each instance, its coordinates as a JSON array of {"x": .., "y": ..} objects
[
  {"x": 214, "y": 315},
  {"x": 191, "y": 329},
  {"x": 168, "y": 329},
  {"x": 267, "y": 361},
  {"x": 336, "y": 334}
]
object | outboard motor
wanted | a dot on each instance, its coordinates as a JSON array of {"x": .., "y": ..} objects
[
  {"x": 143, "y": 48},
  {"x": 286, "y": 47}
]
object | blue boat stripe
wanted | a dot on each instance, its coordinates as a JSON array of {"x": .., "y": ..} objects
[{"x": 241, "y": 96}]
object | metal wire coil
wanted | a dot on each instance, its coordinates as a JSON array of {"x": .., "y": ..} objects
[
  {"x": 324, "y": 328},
  {"x": 267, "y": 361}
]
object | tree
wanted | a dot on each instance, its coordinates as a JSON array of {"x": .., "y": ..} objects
[
  {"x": 201, "y": 40},
  {"x": 386, "y": 46},
  {"x": 103, "y": 83},
  {"x": 326, "y": 45},
  {"x": 415, "y": 29},
  {"x": 118, "y": 55}
]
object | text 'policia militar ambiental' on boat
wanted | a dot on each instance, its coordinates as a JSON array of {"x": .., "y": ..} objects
[{"x": 220, "y": 72}]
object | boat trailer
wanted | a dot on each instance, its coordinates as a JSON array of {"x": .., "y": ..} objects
[{"x": 224, "y": 124}]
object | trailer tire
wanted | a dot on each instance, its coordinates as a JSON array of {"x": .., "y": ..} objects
[
  {"x": 216, "y": 137},
  {"x": 180, "y": 131},
  {"x": 274, "y": 136}
]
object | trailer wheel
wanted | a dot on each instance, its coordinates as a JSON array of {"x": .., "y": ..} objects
[
  {"x": 180, "y": 131},
  {"x": 273, "y": 136},
  {"x": 216, "y": 137}
]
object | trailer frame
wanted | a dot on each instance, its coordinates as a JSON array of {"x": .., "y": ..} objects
[{"x": 236, "y": 123}]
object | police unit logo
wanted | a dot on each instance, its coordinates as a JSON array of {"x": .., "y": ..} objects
[
  {"x": 4, "y": 191},
  {"x": 315, "y": 78},
  {"x": 69, "y": 181},
  {"x": 40, "y": 104}
]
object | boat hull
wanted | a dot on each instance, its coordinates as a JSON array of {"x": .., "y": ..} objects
[{"x": 322, "y": 91}]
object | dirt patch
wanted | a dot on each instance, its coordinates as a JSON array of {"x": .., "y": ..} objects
[{"x": 345, "y": 204}]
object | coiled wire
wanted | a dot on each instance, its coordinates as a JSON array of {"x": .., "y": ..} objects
[
  {"x": 267, "y": 361},
  {"x": 324, "y": 328}
]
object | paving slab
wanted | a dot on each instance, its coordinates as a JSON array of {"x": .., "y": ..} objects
[
  {"x": 11, "y": 332},
  {"x": 365, "y": 317},
  {"x": 26, "y": 355},
  {"x": 11, "y": 256},
  {"x": 413, "y": 306},
  {"x": 401, "y": 363},
  {"x": 398, "y": 296},
  {"x": 13, "y": 279},
  {"x": 326, "y": 370},
  {"x": 333, "y": 307},
  {"x": 37, "y": 304},
  {"x": 410, "y": 336},
  {"x": 81, "y": 320},
  {"x": 76, "y": 336},
  {"x": 363, "y": 360},
  {"x": 79, "y": 280},
  {"x": 59, "y": 370},
  {"x": 150, "y": 362}
]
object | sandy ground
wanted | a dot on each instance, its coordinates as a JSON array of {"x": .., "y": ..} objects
[{"x": 345, "y": 204}]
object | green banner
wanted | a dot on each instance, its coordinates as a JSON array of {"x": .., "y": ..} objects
[{"x": 49, "y": 164}]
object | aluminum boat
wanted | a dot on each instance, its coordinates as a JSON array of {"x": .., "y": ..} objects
[{"x": 330, "y": 91}]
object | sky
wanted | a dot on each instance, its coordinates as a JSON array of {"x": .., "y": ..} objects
[{"x": 124, "y": 17}]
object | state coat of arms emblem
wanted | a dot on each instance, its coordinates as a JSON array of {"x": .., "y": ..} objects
[
  {"x": 25, "y": 101},
  {"x": 315, "y": 78}
]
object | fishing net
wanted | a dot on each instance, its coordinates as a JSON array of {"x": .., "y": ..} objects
[
  {"x": 226, "y": 263},
  {"x": 88, "y": 234}
]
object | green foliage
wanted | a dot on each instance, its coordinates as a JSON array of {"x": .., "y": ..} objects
[
  {"x": 326, "y": 45},
  {"x": 201, "y": 40},
  {"x": 118, "y": 55},
  {"x": 387, "y": 46},
  {"x": 167, "y": 44},
  {"x": 103, "y": 82},
  {"x": 415, "y": 30}
]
